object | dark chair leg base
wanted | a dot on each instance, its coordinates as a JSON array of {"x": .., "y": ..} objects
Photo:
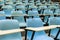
[{"x": 56, "y": 39}]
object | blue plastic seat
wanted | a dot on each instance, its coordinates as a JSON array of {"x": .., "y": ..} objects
[
  {"x": 42, "y": 8},
  {"x": 13, "y": 1},
  {"x": 1, "y": 2},
  {"x": 37, "y": 22},
  {"x": 54, "y": 21},
  {"x": 48, "y": 1},
  {"x": 2, "y": 15},
  {"x": 33, "y": 13},
  {"x": 54, "y": 7},
  {"x": 31, "y": 1},
  {"x": 8, "y": 25},
  {"x": 38, "y": 2},
  {"x": 7, "y": 9},
  {"x": 19, "y": 15},
  {"x": 25, "y": 2},
  {"x": 57, "y": 11},
  {"x": 8, "y": 2},
  {"x": 48, "y": 12},
  {"x": 20, "y": 6}
]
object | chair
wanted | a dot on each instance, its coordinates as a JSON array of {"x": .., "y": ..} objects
[
  {"x": 8, "y": 2},
  {"x": 57, "y": 12},
  {"x": 25, "y": 2},
  {"x": 7, "y": 9},
  {"x": 8, "y": 25},
  {"x": 18, "y": 15},
  {"x": 1, "y": 2},
  {"x": 13, "y": 1},
  {"x": 54, "y": 21},
  {"x": 20, "y": 6},
  {"x": 2, "y": 15},
  {"x": 54, "y": 7},
  {"x": 38, "y": 2},
  {"x": 41, "y": 35},
  {"x": 48, "y": 1},
  {"x": 31, "y": 1},
  {"x": 47, "y": 12},
  {"x": 33, "y": 13},
  {"x": 42, "y": 8}
]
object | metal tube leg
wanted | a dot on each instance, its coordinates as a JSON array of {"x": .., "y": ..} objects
[
  {"x": 32, "y": 35},
  {"x": 25, "y": 34}
]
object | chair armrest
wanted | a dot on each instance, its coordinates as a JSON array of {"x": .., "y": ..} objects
[
  {"x": 42, "y": 28},
  {"x": 4, "y": 32}
]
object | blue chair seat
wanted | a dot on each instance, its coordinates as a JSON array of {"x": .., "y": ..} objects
[{"x": 43, "y": 38}]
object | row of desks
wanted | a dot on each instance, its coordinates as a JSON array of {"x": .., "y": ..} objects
[
  {"x": 2, "y": 32},
  {"x": 5, "y": 32}
]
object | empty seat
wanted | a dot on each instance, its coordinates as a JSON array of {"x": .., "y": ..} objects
[
  {"x": 48, "y": 12},
  {"x": 38, "y": 2},
  {"x": 42, "y": 8},
  {"x": 37, "y": 22},
  {"x": 18, "y": 15},
  {"x": 8, "y": 25},
  {"x": 54, "y": 21},
  {"x": 33, "y": 13},
  {"x": 7, "y": 9},
  {"x": 1, "y": 2},
  {"x": 57, "y": 11},
  {"x": 25, "y": 2},
  {"x": 20, "y": 6}
]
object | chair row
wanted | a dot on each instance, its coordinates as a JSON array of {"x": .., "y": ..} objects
[
  {"x": 32, "y": 23},
  {"x": 20, "y": 5},
  {"x": 25, "y": 1},
  {"x": 8, "y": 11},
  {"x": 19, "y": 15}
]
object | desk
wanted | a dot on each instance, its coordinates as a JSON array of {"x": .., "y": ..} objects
[
  {"x": 4, "y": 32},
  {"x": 39, "y": 29}
]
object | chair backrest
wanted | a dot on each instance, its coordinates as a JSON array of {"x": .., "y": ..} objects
[
  {"x": 2, "y": 15},
  {"x": 21, "y": 7},
  {"x": 33, "y": 13},
  {"x": 54, "y": 21},
  {"x": 1, "y": 2},
  {"x": 18, "y": 15},
  {"x": 35, "y": 22},
  {"x": 48, "y": 11},
  {"x": 57, "y": 11},
  {"x": 7, "y": 9},
  {"x": 8, "y": 25}
]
